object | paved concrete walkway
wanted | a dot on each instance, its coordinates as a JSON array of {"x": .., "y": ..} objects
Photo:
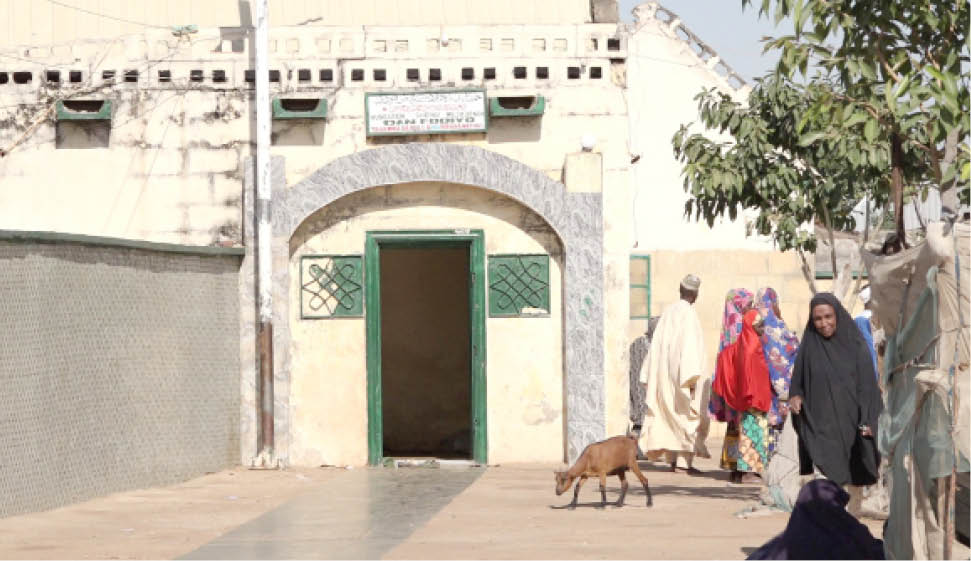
[
  {"x": 509, "y": 512},
  {"x": 359, "y": 515},
  {"x": 504, "y": 512}
]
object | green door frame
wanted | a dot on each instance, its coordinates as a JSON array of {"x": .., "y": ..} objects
[{"x": 474, "y": 240}]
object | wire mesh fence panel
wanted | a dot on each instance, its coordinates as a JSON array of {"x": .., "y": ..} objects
[{"x": 119, "y": 369}]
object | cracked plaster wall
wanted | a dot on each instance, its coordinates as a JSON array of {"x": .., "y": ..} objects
[{"x": 167, "y": 170}]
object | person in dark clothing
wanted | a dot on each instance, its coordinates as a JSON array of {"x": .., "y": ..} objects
[
  {"x": 835, "y": 397},
  {"x": 820, "y": 528}
]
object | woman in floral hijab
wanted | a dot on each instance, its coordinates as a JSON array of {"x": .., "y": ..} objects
[
  {"x": 780, "y": 345},
  {"x": 737, "y": 302}
]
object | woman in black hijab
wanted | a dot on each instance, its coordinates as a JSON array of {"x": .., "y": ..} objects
[
  {"x": 820, "y": 528},
  {"x": 835, "y": 397}
]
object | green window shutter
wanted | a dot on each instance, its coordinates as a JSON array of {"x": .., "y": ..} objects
[
  {"x": 519, "y": 285},
  {"x": 640, "y": 286},
  {"x": 331, "y": 286}
]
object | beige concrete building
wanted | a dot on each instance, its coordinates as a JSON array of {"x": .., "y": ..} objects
[{"x": 463, "y": 250}]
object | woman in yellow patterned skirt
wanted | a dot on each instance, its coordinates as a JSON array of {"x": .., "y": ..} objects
[{"x": 737, "y": 302}]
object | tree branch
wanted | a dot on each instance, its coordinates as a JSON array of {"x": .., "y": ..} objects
[
  {"x": 897, "y": 187},
  {"x": 832, "y": 239},
  {"x": 806, "y": 271},
  {"x": 935, "y": 155},
  {"x": 853, "y": 294},
  {"x": 886, "y": 64},
  {"x": 949, "y": 195},
  {"x": 866, "y": 219}
]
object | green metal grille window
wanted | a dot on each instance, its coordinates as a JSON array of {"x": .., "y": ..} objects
[
  {"x": 640, "y": 286},
  {"x": 331, "y": 286},
  {"x": 519, "y": 285}
]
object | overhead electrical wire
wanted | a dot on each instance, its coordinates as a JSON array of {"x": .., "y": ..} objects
[{"x": 106, "y": 16}]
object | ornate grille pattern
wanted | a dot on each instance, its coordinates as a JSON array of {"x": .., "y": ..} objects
[
  {"x": 331, "y": 286},
  {"x": 519, "y": 285}
]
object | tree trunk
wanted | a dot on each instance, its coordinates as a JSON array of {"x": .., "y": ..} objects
[
  {"x": 897, "y": 187},
  {"x": 949, "y": 191},
  {"x": 807, "y": 272}
]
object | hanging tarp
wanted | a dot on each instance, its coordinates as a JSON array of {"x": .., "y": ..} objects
[
  {"x": 890, "y": 275},
  {"x": 955, "y": 334},
  {"x": 926, "y": 356}
]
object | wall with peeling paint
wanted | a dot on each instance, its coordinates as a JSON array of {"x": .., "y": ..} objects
[
  {"x": 169, "y": 171},
  {"x": 169, "y": 167}
]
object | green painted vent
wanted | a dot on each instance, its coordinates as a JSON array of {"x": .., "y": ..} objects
[
  {"x": 83, "y": 110},
  {"x": 299, "y": 108},
  {"x": 517, "y": 106},
  {"x": 519, "y": 285},
  {"x": 331, "y": 286}
]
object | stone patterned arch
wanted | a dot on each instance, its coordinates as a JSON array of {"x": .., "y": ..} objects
[{"x": 576, "y": 217}]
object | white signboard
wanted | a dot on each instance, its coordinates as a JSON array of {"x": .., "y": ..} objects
[{"x": 425, "y": 112}]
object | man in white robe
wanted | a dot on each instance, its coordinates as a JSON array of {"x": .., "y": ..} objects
[{"x": 676, "y": 385}]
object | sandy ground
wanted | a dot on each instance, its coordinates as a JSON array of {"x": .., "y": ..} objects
[{"x": 509, "y": 512}]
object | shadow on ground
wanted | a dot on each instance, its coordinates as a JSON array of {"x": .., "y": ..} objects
[
  {"x": 637, "y": 496},
  {"x": 735, "y": 492},
  {"x": 610, "y": 504},
  {"x": 716, "y": 474}
]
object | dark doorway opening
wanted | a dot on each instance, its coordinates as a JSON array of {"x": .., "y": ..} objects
[{"x": 425, "y": 351}]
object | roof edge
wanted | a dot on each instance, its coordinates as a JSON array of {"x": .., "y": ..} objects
[{"x": 676, "y": 29}]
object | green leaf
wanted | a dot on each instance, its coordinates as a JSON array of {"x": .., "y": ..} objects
[
  {"x": 801, "y": 124},
  {"x": 901, "y": 87},
  {"x": 951, "y": 85},
  {"x": 855, "y": 119},
  {"x": 798, "y": 17},
  {"x": 935, "y": 73},
  {"x": 810, "y": 138},
  {"x": 871, "y": 129},
  {"x": 890, "y": 99},
  {"x": 868, "y": 69}
]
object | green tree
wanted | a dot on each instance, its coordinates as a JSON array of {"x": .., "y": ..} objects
[
  {"x": 788, "y": 180},
  {"x": 899, "y": 69},
  {"x": 887, "y": 105}
]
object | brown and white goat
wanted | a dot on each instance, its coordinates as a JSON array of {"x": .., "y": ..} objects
[{"x": 613, "y": 456}]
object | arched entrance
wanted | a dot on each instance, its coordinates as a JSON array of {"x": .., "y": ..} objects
[{"x": 575, "y": 217}]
